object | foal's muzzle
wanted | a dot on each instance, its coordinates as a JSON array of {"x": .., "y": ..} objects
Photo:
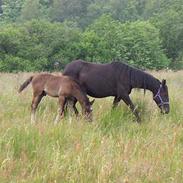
[{"x": 89, "y": 117}]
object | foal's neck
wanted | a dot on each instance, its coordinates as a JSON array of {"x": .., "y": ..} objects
[{"x": 82, "y": 98}]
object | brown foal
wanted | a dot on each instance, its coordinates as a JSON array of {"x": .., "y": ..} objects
[{"x": 56, "y": 86}]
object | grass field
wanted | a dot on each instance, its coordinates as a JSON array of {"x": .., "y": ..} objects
[{"x": 111, "y": 149}]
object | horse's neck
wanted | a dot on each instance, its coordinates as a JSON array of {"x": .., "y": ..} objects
[{"x": 145, "y": 81}]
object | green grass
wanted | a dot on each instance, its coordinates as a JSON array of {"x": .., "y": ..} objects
[{"x": 114, "y": 148}]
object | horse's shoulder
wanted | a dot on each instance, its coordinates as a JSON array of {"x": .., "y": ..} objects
[{"x": 76, "y": 62}]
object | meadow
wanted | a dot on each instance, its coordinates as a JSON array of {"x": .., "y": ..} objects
[{"x": 111, "y": 149}]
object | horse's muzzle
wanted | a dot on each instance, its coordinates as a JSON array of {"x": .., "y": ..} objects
[{"x": 165, "y": 109}]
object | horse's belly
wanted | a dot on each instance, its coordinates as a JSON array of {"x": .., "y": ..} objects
[{"x": 100, "y": 93}]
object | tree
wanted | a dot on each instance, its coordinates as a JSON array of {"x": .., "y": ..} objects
[
  {"x": 137, "y": 43},
  {"x": 69, "y": 10},
  {"x": 11, "y": 10},
  {"x": 36, "y": 45},
  {"x": 170, "y": 24},
  {"x": 123, "y": 10},
  {"x": 31, "y": 10},
  {"x": 1, "y": 10}
]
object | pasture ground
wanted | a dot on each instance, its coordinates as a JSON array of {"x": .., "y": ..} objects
[{"x": 111, "y": 149}]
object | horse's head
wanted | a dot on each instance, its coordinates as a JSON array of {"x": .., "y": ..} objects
[
  {"x": 161, "y": 97},
  {"x": 89, "y": 109}
]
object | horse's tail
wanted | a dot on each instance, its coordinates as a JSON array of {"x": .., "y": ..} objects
[{"x": 25, "y": 84}]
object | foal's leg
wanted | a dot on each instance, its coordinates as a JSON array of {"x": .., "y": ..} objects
[
  {"x": 74, "y": 106},
  {"x": 62, "y": 101},
  {"x": 71, "y": 102},
  {"x": 128, "y": 101},
  {"x": 116, "y": 101},
  {"x": 35, "y": 101}
]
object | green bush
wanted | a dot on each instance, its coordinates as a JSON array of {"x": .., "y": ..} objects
[
  {"x": 14, "y": 64},
  {"x": 36, "y": 45},
  {"x": 138, "y": 43}
]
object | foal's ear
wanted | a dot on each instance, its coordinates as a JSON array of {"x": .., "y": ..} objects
[
  {"x": 164, "y": 82},
  {"x": 91, "y": 102}
]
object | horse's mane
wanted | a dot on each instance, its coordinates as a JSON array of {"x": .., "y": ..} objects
[{"x": 136, "y": 75}]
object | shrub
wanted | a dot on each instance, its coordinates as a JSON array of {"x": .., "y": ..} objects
[{"x": 138, "y": 43}]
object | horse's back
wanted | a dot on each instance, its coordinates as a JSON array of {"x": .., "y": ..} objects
[
  {"x": 75, "y": 68},
  {"x": 98, "y": 80}
]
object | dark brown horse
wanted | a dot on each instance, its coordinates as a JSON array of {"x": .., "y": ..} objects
[
  {"x": 56, "y": 86},
  {"x": 117, "y": 79}
]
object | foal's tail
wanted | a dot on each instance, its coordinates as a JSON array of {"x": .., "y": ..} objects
[{"x": 25, "y": 84}]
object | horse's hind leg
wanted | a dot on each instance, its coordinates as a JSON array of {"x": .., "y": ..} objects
[
  {"x": 35, "y": 101},
  {"x": 62, "y": 102},
  {"x": 128, "y": 101}
]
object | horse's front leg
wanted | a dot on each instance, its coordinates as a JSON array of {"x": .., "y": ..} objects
[
  {"x": 116, "y": 101},
  {"x": 128, "y": 102}
]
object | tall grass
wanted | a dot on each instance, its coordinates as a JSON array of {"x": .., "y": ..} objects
[{"x": 114, "y": 148}]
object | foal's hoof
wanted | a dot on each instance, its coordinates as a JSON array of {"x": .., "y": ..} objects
[
  {"x": 90, "y": 121},
  {"x": 56, "y": 121},
  {"x": 88, "y": 118},
  {"x": 33, "y": 122}
]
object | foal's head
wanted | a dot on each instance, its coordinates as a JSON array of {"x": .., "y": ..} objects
[
  {"x": 88, "y": 109},
  {"x": 161, "y": 97}
]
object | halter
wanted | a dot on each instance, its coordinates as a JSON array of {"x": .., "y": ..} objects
[{"x": 159, "y": 96}]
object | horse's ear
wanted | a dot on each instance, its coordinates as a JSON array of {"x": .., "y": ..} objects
[
  {"x": 164, "y": 82},
  {"x": 91, "y": 102}
]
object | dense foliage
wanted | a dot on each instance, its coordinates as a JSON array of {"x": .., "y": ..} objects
[{"x": 34, "y": 34}]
